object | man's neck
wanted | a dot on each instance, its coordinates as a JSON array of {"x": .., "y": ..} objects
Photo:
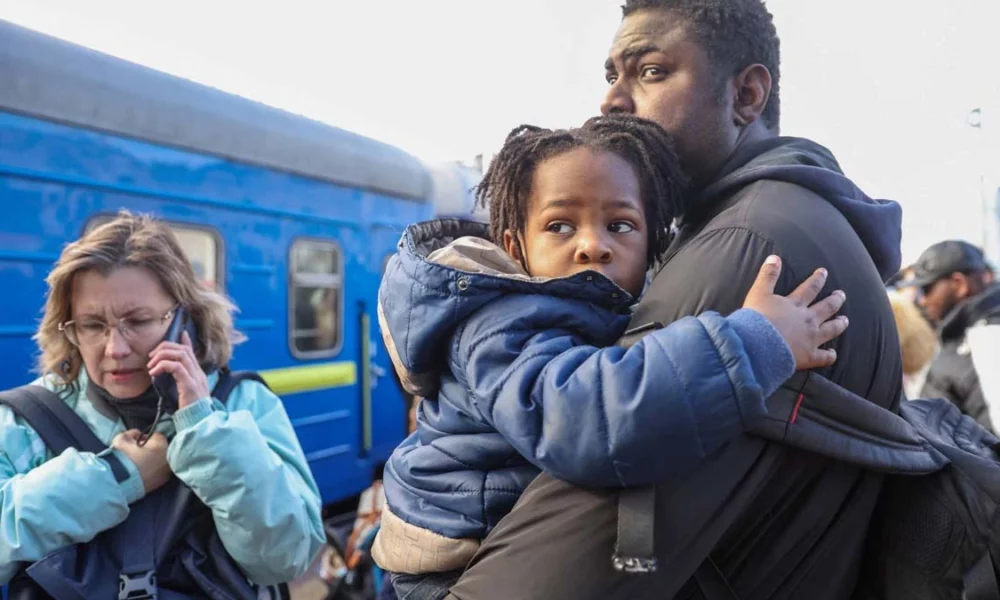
[
  {"x": 751, "y": 134},
  {"x": 755, "y": 132}
]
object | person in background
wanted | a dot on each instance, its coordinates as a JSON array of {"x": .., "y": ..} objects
[{"x": 956, "y": 293}]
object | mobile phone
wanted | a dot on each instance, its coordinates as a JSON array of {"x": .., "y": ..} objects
[
  {"x": 166, "y": 387},
  {"x": 164, "y": 383}
]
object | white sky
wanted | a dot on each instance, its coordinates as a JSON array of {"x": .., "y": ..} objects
[{"x": 886, "y": 84}]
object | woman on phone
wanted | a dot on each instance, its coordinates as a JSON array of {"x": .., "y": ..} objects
[{"x": 113, "y": 298}]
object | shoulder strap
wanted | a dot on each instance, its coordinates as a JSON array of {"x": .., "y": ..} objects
[
  {"x": 29, "y": 402},
  {"x": 635, "y": 550},
  {"x": 57, "y": 424},
  {"x": 229, "y": 380},
  {"x": 811, "y": 413}
]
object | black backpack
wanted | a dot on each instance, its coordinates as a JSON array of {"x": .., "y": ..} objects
[
  {"x": 167, "y": 549},
  {"x": 935, "y": 533}
]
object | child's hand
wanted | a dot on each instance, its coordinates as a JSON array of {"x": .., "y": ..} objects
[{"x": 804, "y": 327}]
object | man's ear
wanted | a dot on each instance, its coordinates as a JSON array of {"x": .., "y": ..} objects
[
  {"x": 752, "y": 89},
  {"x": 963, "y": 285}
]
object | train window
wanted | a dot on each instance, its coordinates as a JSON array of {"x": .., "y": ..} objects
[
  {"x": 200, "y": 244},
  {"x": 315, "y": 299},
  {"x": 202, "y": 249}
]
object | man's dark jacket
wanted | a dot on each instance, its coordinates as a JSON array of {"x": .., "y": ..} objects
[
  {"x": 952, "y": 374},
  {"x": 779, "y": 522}
]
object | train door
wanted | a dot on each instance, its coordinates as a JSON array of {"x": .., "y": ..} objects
[{"x": 388, "y": 402}]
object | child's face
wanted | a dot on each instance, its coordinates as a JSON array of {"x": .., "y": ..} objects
[{"x": 585, "y": 213}]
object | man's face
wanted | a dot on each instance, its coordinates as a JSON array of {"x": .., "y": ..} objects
[
  {"x": 940, "y": 297},
  {"x": 657, "y": 72}
]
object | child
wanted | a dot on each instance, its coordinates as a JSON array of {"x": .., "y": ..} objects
[{"x": 513, "y": 349}]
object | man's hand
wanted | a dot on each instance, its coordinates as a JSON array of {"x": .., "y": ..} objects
[
  {"x": 805, "y": 326},
  {"x": 150, "y": 459}
]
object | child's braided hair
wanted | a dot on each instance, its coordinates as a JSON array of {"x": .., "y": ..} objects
[{"x": 506, "y": 186}]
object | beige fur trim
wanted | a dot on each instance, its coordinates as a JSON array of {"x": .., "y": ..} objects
[
  {"x": 404, "y": 548},
  {"x": 476, "y": 255}
]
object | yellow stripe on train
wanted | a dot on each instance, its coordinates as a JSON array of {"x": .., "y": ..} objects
[{"x": 310, "y": 378}]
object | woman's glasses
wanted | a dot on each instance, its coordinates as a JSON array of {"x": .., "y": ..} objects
[{"x": 91, "y": 332}]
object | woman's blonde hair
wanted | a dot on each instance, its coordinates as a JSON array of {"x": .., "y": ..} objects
[
  {"x": 917, "y": 340},
  {"x": 132, "y": 241}
]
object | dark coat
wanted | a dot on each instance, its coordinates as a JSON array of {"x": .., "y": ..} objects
[{"x": 952, "y": 374}]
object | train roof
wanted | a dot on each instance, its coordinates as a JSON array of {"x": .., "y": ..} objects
[{"x": 49, "y": 78}]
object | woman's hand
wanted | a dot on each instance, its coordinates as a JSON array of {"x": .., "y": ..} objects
[
  {"x": 805, "y": 326},
  {"x": 150, "y": 459},
  {"x": 179, "y": 360}
]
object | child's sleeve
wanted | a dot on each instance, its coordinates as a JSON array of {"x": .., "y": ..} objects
[{"x": 611, "y": 416}]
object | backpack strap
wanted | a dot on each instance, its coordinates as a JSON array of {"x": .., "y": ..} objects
[
  {"x": 229, "y": 380},
  {"x": 981, "y": 580},
  {"x": 634, "y": 549},
  {"x": 635, "y": 546},
  {"x": 58, "y": 425},
  {"x": 635, "y": 552}
]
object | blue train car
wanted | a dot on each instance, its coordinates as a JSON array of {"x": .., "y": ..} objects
[{"x": 293, "y": 219}]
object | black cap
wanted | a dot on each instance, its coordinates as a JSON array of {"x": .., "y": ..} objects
[{"x": 943, "y": 259}]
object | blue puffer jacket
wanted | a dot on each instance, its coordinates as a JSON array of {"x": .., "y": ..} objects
[{"x": 514, "y": 379}]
